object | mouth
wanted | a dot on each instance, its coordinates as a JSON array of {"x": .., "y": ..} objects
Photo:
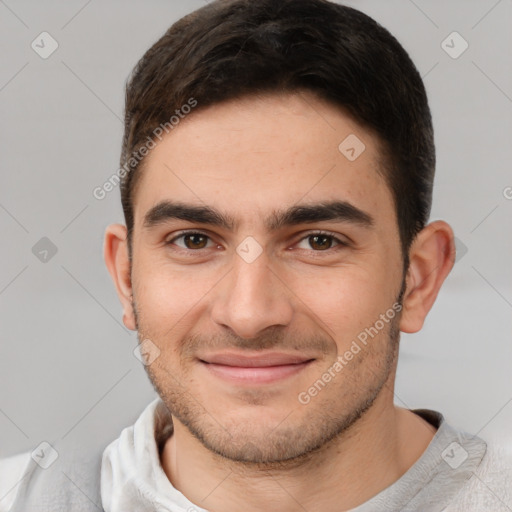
[{"x": 259, "y": 368}]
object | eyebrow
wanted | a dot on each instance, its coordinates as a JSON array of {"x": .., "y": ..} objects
[{"x": 340, "y": 211}]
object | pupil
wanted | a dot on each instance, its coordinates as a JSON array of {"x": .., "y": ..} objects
[{"x": 320, "y": 242}]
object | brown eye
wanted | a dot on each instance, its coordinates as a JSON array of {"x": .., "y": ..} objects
[
  {"x": 191, "y": 241},
  {"x": 195, "y": 241},
  {"x": 320, "y": 242}
]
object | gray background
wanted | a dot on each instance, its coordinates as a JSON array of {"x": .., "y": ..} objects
[{"x": 67, "y": 368}]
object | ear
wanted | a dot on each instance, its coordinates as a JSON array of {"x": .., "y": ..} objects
[
  {"x": 431, "y": 257},
  {"x": 115, "y": 253}
]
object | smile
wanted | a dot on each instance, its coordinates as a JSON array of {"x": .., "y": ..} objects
[{"x": 258, "y": 369}]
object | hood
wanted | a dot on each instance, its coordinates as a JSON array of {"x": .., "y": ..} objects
[{"x": 131, "y": 475}]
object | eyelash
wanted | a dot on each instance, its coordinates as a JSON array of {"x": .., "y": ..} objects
[{"x": 339, "y": 243}]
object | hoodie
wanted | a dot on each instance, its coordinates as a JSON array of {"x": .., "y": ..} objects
[{"x": 457, "y": 472}]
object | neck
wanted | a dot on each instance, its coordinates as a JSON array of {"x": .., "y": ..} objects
[{"x": 368, "y": 457}]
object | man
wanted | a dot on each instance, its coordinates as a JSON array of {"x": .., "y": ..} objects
[{"x": 277, "y": 173}]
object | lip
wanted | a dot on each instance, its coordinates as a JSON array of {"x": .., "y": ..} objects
[{"x": 255, "y": 369}]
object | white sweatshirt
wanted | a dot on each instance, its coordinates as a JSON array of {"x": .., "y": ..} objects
[{"x": 457, "y": 473}]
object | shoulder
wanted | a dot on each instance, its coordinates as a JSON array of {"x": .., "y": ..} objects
[
  {"x": 497, "y": 463},
  {"x": 12, "y": 472},
  {"x": 490, "y": 487},
  {"x": 69, "y": 480}
]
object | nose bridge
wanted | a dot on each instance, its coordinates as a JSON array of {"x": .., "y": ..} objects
[
  {"x": 252, "y": 281},
  {"x": 252, "y": 299}
]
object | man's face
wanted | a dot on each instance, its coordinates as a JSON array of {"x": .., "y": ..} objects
[{"x": 248, "y": 317}]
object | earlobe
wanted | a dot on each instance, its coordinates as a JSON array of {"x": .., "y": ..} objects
[
  {"x": 115, "y": 253},
  {"x": 431, "y": 257}
]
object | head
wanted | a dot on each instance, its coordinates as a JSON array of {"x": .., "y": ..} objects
[{"x": 292, "y": 141}]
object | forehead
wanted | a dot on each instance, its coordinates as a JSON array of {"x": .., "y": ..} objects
[{"x": 250, "y": 156}]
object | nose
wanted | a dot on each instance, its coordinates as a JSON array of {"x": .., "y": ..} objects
[{"x": 252, "y": 298}]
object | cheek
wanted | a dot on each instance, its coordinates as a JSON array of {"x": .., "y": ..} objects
[
  {"x": 168, "y": 298},
  {"x": 345, "y": 301}
]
